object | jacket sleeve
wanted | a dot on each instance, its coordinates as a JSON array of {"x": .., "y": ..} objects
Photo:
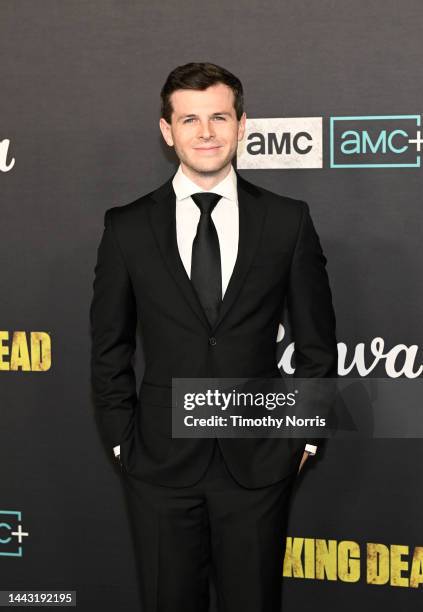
[
  {"x": 310, "y": 308},
  {"x": 113, "y": 334}
]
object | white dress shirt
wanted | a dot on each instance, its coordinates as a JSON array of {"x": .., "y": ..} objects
[{"x": 226, "y": 220}]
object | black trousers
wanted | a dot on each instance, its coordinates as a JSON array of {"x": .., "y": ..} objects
[{"x": 216, "y": 525}]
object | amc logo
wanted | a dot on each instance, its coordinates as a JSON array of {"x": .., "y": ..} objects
[
  {"x": 375, "y": 141},
  {"x": 281, "y": 142},
  {"x": 11, "y": 533}
]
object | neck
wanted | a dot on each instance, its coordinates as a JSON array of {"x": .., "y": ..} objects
[{"x": 206, "y": 180}]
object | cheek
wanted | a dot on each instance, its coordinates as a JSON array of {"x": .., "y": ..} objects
[
  {"x": 186, "y": 140},
  {"x": 230, "y": 136},
  {"x": 182, "y": 143}
]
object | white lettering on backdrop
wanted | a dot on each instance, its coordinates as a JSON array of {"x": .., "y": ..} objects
[
  {"x": 400, "y": 360},
  {"x": 4, "y": 149}
]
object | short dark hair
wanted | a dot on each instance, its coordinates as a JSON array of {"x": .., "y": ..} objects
[{"x": 200, "y": 75}]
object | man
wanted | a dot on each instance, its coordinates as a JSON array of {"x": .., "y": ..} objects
[{"x": 205, "y": 264}]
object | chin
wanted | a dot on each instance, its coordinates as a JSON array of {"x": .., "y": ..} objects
[
  {"x": 211, "y": 165},
  {"x": 207, "y": 167}
]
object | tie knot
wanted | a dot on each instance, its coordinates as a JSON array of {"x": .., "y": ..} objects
[{"x": 206, "y": 200}]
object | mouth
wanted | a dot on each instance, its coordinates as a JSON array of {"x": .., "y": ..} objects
[{"x": 214, "y": 148}]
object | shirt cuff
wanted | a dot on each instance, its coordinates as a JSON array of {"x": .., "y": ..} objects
[
  {"x": 116, "y": 450},
  {"x": 311, "y": 448}
]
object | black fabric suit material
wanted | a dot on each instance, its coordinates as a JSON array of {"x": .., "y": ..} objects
[{"x": 140, "y": 275}]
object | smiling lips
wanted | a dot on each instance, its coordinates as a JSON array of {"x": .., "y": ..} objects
[{"x": 207, "y": 148}]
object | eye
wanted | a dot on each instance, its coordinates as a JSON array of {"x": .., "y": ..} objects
[
  {"x": 220, "y": 117},
  {"x": 189, "y": 120}
]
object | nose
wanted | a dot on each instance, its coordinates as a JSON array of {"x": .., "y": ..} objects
[{"x": 206, "y": 130}]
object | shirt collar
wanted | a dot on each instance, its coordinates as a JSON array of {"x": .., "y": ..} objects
[{"x": 184, "y": 187}]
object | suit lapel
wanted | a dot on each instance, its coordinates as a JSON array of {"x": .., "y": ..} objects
[{"x": 252, "y": 209}]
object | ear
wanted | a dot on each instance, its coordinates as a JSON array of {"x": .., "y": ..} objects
[
  {"x": 241, "y": 126},
  {"x": 166, "y": 131}
]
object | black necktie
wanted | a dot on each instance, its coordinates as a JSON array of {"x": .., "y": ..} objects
[{"x": 206, "y": 272}]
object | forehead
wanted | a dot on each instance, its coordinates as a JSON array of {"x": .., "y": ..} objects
[{"x": 214, "y": 99}]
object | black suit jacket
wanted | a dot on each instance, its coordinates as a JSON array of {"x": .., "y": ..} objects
[{"x": 139, "y": 275}]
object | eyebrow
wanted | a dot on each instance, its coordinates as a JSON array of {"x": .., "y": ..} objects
[{"x": 212, "y": 115}]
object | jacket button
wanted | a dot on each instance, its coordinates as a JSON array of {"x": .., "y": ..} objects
[{"x": 212, "y": 341}]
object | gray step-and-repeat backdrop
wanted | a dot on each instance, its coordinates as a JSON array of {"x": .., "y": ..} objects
[{"x": 334, "y": 100}]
